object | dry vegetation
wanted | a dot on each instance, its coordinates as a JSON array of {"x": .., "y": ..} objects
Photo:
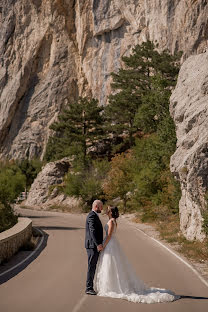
[
  {"x": 169, "y": 230},
  {"x": 64, "y": 208}
]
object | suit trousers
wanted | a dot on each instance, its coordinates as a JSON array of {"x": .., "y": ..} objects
[{"x": 93, "y": 255}]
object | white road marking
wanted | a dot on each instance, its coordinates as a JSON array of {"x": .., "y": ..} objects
[
  {"x": 79, "y": 304},
  {"x": 177, "y": 256},
  {"x": 15, "y": 266}
]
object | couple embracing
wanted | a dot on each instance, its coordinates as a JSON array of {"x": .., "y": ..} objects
[{"x": 109, "y": 272}]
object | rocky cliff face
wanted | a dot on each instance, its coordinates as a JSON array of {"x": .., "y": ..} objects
[
  {"x": 189, "y": 108},
  {"x": 53, "y": 50},
  {"x": 52, "y": 174}
]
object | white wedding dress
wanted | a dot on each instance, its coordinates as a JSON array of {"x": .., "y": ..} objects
[{"x": 116, "y": 278}]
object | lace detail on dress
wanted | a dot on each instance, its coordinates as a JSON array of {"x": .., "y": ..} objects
[{"x": 116, "y": 278}]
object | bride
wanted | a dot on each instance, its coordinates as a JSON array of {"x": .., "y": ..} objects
[{"x": 115, "y": 276}]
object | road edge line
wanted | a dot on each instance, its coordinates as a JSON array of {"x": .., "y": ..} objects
[
  {"x": 175, "y": 254},
  {"x": 28, "y": 257},
  {"x": 79, "y": 304}
]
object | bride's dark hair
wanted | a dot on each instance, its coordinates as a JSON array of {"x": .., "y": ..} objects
[{"x": 115, "y": 212}]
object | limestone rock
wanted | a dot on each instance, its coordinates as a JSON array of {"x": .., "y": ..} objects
[
  {"x": 51, "y": 51},
  {"x": 64, "y": 203},
  {"x": 189, "y": 108},
  {"x": 51, "y": 174}
]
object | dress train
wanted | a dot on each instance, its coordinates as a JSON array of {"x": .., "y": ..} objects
[{"x": 116, "y": 278}]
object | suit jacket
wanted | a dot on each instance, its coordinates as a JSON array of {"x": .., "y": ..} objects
[{"x": 94, "y": 231}]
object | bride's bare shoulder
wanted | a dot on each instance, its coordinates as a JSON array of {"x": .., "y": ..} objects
[{"x": 112, "y": 220}]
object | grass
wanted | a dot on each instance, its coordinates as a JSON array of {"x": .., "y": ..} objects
[{"x": 169, "y": 230}]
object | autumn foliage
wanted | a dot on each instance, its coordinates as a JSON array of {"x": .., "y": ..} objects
[{"x": 118, "y": 182}]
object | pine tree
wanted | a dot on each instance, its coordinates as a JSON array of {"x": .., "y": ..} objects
[
  {"x": 30, "y": 169},
  {"x": 78, "y": 129},
  {"x": 154, "y": 106},
  {"x": 133, "y": 84}
]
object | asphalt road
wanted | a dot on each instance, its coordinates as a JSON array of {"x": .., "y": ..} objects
[{"x": 54, "y": 280}]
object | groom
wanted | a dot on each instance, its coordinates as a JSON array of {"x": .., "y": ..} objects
[{"x": 93, "y": 243}]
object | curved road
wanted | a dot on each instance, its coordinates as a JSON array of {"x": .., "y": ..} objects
[{"x": 55, "y": 280}]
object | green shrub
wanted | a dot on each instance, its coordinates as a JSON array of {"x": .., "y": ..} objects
[
  {"x": 205, "y": 222},
  {"x": 157, "y": 192},
  {"x": 86, "y": 183},
  {"x": 7, "y": 217},
  {"x": 30, "y": 169},
  {"x": 118, "y": 182},
  {"x": 12, "y": 183},
  {"x": 205, "y": 216}
]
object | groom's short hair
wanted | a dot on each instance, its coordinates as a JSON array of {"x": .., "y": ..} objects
[{"x": 96, "y": 202}]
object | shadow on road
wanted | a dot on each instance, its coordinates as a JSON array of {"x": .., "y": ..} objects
[
  {"x": 193, "y": 297},
  {"x": 36, "y": 217},
  {"x": 21, "y": 260},
  {"x": 61, "y": 228}
]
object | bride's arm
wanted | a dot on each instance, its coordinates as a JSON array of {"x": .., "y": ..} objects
[{"x": 110, "y": 232}]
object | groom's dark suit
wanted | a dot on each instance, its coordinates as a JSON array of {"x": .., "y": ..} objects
[{"x": 93, "y": 238}]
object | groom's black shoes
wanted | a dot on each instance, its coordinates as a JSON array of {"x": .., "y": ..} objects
[{"x": 90, "y": 292}]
